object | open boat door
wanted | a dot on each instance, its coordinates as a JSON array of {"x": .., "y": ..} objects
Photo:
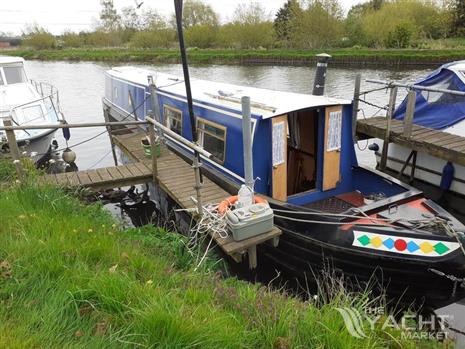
[
  {"x": 332, "y": 147},
  {"x": 279, "y": 157}
]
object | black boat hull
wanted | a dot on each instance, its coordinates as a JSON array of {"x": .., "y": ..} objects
[{"x": 405, "y": 283}]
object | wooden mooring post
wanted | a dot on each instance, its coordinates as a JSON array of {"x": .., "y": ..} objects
[
  {"x": 387, "y": 136},
  {"x": 408, "y": 119},
  {"x": 106, "y": 116},
  {"x": 153, "y": 150},
  {"x": 14, "y": 150}
]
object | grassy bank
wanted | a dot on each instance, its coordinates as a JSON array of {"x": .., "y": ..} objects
[
  {"x": 354, "y": 57},
  {"x": 70, "y": 277}
]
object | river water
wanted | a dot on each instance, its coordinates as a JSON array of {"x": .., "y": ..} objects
[{"x": 81, "y": 87}]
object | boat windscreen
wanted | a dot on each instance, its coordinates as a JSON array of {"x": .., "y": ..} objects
[
  {"x": 14, "y": 74},
  {"x": 29, "y": 114}
]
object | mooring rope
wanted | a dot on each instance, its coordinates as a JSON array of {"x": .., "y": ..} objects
[{"x": 212, "y": 223}]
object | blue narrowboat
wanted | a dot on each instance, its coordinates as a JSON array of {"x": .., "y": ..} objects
[{"x": 366, "y": 223}]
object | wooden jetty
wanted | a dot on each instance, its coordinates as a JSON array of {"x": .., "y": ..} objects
[
  {"x": 169, "y": 171},
  {"x": 437, "y": 143}
]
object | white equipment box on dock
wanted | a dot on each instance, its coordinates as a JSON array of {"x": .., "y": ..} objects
[{"x": 250, "y": 221}]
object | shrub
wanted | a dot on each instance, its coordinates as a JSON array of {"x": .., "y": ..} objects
[
  {"x": 400, "y": 36},
  {"x": 153, "y": 39},
  {"x": 103, "y": 39},
  {"x": 201, "y": 36},
  {"x": 39, "y": 38},
  {"x": 411, "y": 19},
  {"x": 70, "y": 39},
  {"x": 247, "y": 35}
]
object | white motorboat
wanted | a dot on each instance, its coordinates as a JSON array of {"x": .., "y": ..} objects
[{"x": 27, "y": 102}]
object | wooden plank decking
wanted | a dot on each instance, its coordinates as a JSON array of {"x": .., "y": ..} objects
[
  {"x": 103, "y": 178},
  {"x": 175, "y": 177},
  {"x": 437, "y": 143}
]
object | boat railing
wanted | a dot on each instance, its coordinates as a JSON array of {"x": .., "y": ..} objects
[
  {"x": 393, "y": 86},
  {"x": 390, "y": 84},
  {"x": 47, "y": 90}
]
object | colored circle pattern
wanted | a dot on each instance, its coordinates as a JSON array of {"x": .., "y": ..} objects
[
  {"x": 403, "y": 245},
  {"x": 400, "y": 245}
]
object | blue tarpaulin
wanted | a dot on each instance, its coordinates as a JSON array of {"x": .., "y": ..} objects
[{"x": 434, "y": 109}]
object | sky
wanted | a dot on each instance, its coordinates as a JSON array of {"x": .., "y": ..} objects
[{"x": 77, "y": 15}]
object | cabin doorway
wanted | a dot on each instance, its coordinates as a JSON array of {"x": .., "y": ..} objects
[
  {"x": 294, "y": 145},
  {"x": 302, "y": 151}
]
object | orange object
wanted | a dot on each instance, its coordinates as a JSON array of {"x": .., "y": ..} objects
[{"x": 227, "y": 203}]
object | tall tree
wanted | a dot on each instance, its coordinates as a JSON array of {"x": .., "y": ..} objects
[
  {"x": 152, "y": 20},
  {"x": 376, "y": 4},
  {"x": 195, "y": 12},
  {"x": 284, "y": 17},
  {"x": 319, "y": 25},
  {"x": 109, "y": 17},
  {"x": 130, "y": 19},
  {"x": 250, "y": 13},
  {"x": 458, "y": 7}
]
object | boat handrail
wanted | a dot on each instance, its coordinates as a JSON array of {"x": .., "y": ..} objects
[
  {"x": 55, "y": 96},
  {"x": 415, "y": 87},
  {"x": 31, "y": 102}
]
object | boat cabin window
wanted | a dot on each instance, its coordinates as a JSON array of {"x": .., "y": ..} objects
[
  {"x": 173, "y": 119},
  {"x": 14, "y": 74},
  {"x": 212, "y": 138}
]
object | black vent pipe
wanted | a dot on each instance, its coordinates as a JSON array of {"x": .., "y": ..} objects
[{"x": 320, "y": 76}]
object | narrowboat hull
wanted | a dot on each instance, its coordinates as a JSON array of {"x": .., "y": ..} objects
[{"x": 302, "y": 254}]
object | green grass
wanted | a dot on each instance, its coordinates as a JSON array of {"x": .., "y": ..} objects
[
  {"x": 70, "y": 277},
  {"x": 228, "y": 56}
]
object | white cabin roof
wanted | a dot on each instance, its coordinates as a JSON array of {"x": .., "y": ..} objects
[
  {"x": 264, "y": 102},
  {"x": 10, "y": 59}
]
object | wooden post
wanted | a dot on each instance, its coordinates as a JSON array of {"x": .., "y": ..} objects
[
  {"x": 134, "y": 107},
  {"x": 106, "y": 116},
  {"x": 414, "y": 166},
  {"x": 358, "y": 80},
  {"x": 153, "y": 150},
  {"x": 198, "y": 184},
  {"x": 408, "y": 119},
  {"x": 390, "y": 111},
  {"x": 252, "y": 254},
  {"x": 14, "y": 150},
  {"x": 401, "y": 172}
]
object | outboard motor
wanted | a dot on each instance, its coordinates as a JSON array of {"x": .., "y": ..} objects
[{"x": 320, "y": 76}]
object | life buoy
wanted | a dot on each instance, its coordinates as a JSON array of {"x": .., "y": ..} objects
[{"x": 228, "y": 202}]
